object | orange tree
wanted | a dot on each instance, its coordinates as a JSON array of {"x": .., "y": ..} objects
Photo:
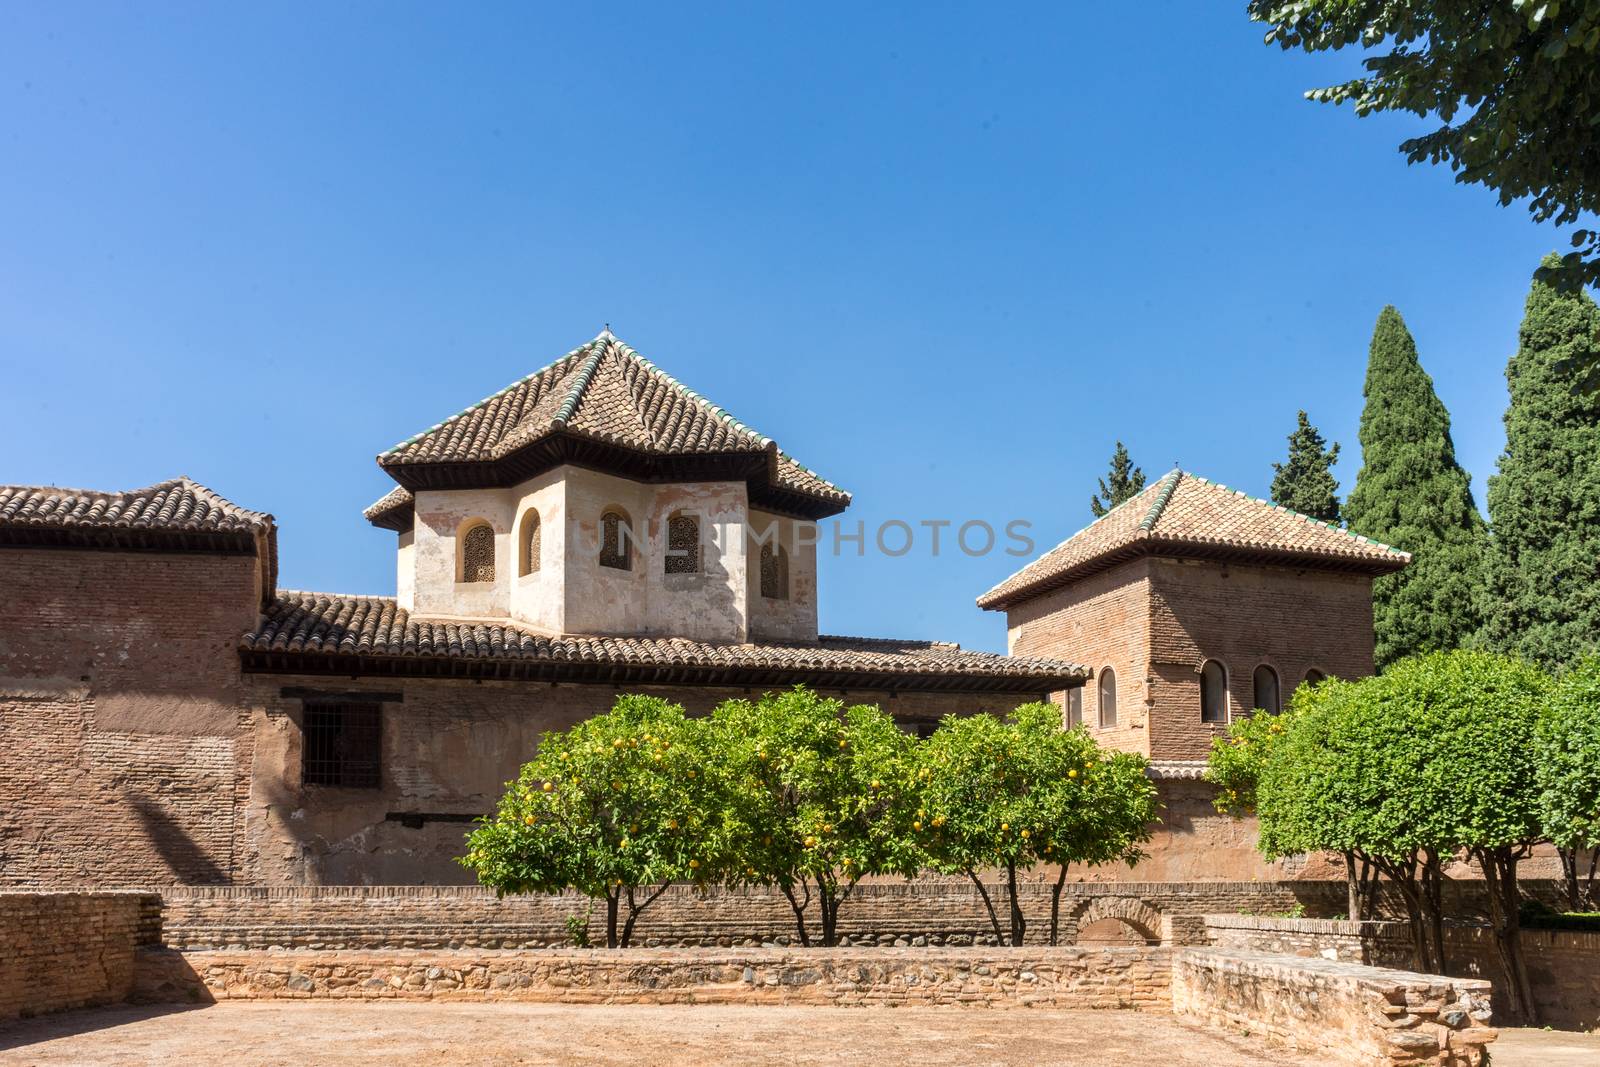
[
  {"x": 617, "y": 808},
  {"x": 1011, "y": 794},
  {"x": 815, "y": 796}
]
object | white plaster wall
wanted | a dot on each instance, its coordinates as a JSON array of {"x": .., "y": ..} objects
[
  {"x": 440, "y": 515},
  {"x": 405, "y": 586},
  {"x": 708, "y": 606},
  {"x": 794, "y": 619},
  {"x": 539, "y": 599}
]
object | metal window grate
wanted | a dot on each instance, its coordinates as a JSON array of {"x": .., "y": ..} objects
[
  {"x": 774, "y": 572},
  {"x": 342, "y": 744},
  {"x": 683, "y": 545}
]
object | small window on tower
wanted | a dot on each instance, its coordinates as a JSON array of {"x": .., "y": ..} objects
[
  {"x": 1213, "y": 692},
  {"x": 616, "y": 541},
  {"x": 1108, "y": 698},
  {"x": 1075, "y": 707},
  {"x": 774, "y": 572},
  {"x": 1266, "y": 685},
  {"x": 477, "y": 554},
  {"x": 683, "y": 545},
  {"x": 532, "y": 542},
  {"x": 342, "y": 744}
]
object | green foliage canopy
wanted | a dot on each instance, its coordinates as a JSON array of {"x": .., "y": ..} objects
[
  {"x": 1567, "y": 758},
  {"x": 1513, "y": 86},
  {"x": 618, "y": 802},
  {"x": 1542, "y": 575},
  {"x": 1305, "y": 482},
  {"x": 1412, "y": 494},
  {"x": 1123, "y": 482}
]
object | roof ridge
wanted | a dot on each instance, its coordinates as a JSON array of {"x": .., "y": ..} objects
[
  {"x": 470, "y": 408},
  {"x": 722, "y": 414},
  {"x": 582, "y": 379},
  {"x": 1312, "y": 519},
  {"x": 1169, "y": 482}
]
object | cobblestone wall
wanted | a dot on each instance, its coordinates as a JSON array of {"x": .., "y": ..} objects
[
  {"x": 1344, "y": 1012},
  {"x": 71, "y": 950},
  {"x": 1127, "y": 978}
]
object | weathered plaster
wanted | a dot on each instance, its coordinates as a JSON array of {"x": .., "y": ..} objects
[{"x": 792, "y": 619}]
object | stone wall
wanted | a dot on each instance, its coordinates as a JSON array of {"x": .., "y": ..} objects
[
  {"x": 1563, "y": 965},
  {"x": 71, "y": 950},
  {"x": 1126, "y": 978},
  {"x": 928, "y": 911},
  {"x": 1341, "y": 1011}
]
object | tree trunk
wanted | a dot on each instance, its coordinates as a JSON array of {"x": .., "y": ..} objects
[
  {"x": 828, "y": 903},
  {"x": 1359, "y": 879},
  {"x": 1018, "y": 923},
  {"x": 1505, "y": 899},
  {"x": 994, "y": 920},
  {"x": 635, "y": 909},
  {"x": 1569, "y": 877},
  {"x": 1403, "y": 875},
  {"x": 612, "y": 899},
  {"x": 1055, "y": 905},
  {"x": 1433, "y": 905},
  {"x": 799, "y": 911}
]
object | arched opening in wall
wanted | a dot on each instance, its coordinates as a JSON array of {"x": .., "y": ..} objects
[
  {"x": 616, "y": 540},
  {"x": 1213, "y": 692},
  {"x": 476, "y": 552},
  {"x": 1266, "y": 690},
  {"x": 1108, "y": 697},
  {"x": 1074, "y": 714},
  {"x": 1313, "y": 676},
  {"x": 530, "y": 543},
  {"x": 1115, "y": 931},
  {"x": 683, "y": 544},
  {"x": 774, "y": 572}
]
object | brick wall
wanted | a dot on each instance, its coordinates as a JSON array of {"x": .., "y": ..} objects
[
  {"x": 1156, "y": 621},
  {"x": 71, "y": 950},
  {"x": 928, "y": 911},
  {"x": 1332, "y": 939},
  {"x": 1341, "y": 1011},
  {"x": 120, "y": 746}
]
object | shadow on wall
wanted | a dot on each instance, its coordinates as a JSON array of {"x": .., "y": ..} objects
[{"x": 184, "y": 858}]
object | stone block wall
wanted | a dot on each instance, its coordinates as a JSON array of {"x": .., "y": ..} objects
[
  {"x": 1126, "y": 978},
  {"x": 1344, "y": 1012},
  {"x": 71, "y": 950}
]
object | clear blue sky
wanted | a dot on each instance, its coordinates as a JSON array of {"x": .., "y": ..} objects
[{"x": 944, "y": 255}]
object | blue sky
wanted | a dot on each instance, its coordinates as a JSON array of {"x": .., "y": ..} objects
[{"x": 945, "y": 255}]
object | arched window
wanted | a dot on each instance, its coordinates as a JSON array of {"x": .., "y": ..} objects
[
  {"x": 774, "y": 572},
  {"x": 1075, "y": 706},
  {"x": 477, "y": 553},
  {"x": 531, "y": 543},
  {"x": 1108, "y": 697},
  {"x": 1213, "y": 692},
  {"x": 616, "y": 541},
  {"x": 1313, "y": 676},
  {"x": 1266, "y": 680},
  {"x": 683, "y": 544}
]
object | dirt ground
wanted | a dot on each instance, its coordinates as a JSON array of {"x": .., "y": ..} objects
[{"x": 467, "y": 1035}]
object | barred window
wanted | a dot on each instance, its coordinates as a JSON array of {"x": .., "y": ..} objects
[
  {"x": 1266, "y": 685},
  {"x": 477, "y": 554},
  {"x": 774, "y": 572},
  {"x": 1213, "y": 692},
  {"x": 616, "y": 541},
  {"x": 342, "y": 744},
  {"x": 683, "y": 545},
  {"x": 531, "y": 543}
]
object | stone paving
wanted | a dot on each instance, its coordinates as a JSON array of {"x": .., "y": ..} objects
[{"x": 468, "y": 1035}]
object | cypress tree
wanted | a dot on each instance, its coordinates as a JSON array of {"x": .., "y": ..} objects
[
  {"x": 1412, "y": 494},
  {"x": 1306, "y": 483},
  {"x": 1123, "y": 482},
  {"x": 1542, "y": 586}
]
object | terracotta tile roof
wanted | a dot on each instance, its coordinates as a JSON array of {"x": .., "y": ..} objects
[
  {"x": 177, "y": 504},
  {"x": 178, "y": 514},
  {"x": 607, "y": 396},
  {"x": 392, "y": 510},
  {"x": 1188, "y": 516},
  {"x": 329, "y": 633}
]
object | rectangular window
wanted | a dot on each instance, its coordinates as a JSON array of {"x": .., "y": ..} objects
[
  {"x": 342, "y": 743},
  {"x": 1075, "y": 707}
]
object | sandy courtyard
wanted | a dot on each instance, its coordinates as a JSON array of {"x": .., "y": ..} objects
[{"x": 458, "y": 1035}]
